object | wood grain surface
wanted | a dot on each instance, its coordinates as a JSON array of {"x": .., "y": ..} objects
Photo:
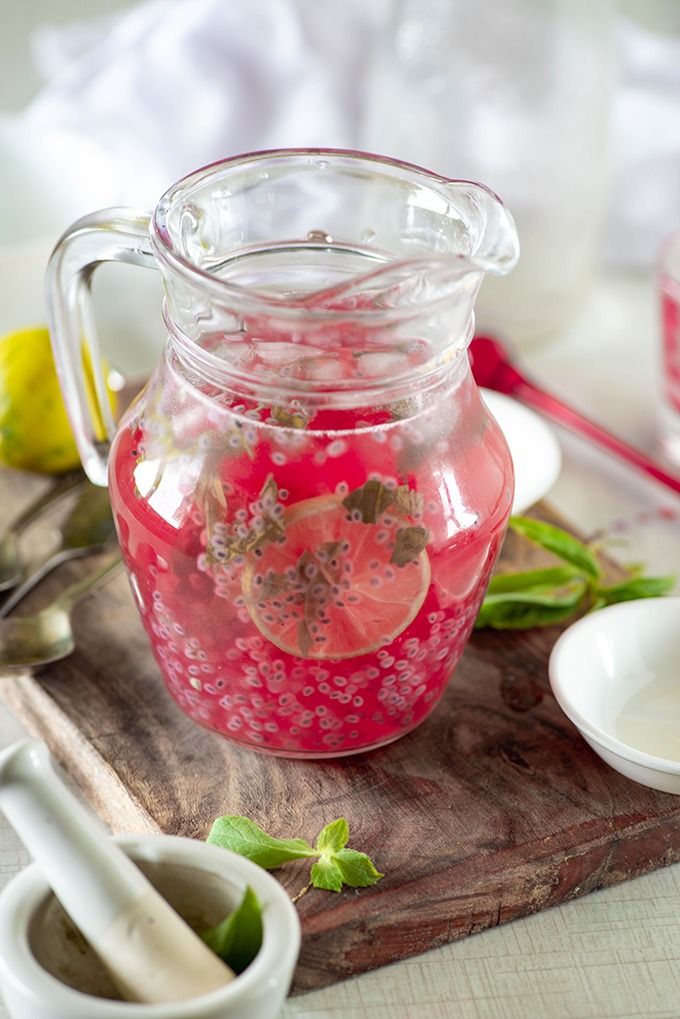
[{"x": 493, "y": 809}]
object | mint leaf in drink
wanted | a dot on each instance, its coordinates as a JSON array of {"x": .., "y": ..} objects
[
  {"x": 558, "y": 541},
  {"x": 238, "y": 938},
  {"x": 243, "y": 836},
  {"x": 409, "y": 544},
  {"x": 408, "y": 502},
  {"x": 335, "y": 865},
  {"x": 369, "y": 501}
]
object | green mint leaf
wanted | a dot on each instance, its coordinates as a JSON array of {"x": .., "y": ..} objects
[
  {"x": 339, "y": 865},
  {"x": 326, "y": 874},
  {"x": 559, "y": 542},
  {"x": 336, "y": 865},
  {"x": 243, "y": 836},
  {"x": 522, "y": 609},
  {"x": 538, "y": 580},
  {"x": 333, "y": 837},
  {"x": 633, "y": 588},
  {"x": 369, "y": 501},
  {"x": 356, "y": 868},
  {"x": 238, "y": 938}
]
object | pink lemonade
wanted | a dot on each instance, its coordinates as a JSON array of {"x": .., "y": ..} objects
[
  {"x": 670, "y": 323},
  {"x": 310, "y": 493},
  {"x": 308, "y": 579}
]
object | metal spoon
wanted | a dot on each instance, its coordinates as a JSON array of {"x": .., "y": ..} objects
[
  {"x": 493, "y": 368},
  {"x": 11, "y": 566},
  {"x": 47, "y": 636},
  {"x": 87, "y": 529}
]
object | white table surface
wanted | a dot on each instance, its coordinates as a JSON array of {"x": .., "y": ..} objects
[{"x": 614, "y": 953}]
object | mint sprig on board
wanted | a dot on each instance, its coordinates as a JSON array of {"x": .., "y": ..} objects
[
  {"x": 516, "y": 601},
  {"x": 335, "y": 864}
]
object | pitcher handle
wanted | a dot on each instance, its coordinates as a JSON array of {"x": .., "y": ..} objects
[{"x": 110, "y": 235}]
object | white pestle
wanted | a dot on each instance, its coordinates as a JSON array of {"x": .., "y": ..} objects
[{"x": 151, "y": 954}]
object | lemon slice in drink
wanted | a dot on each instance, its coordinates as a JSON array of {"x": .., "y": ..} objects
[{"x": 329, "y": 589}]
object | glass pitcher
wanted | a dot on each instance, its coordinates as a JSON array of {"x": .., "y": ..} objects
[{"x": 309, "y": 492}]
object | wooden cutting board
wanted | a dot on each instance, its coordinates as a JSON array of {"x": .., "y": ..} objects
[{"x": 492, "y": 809}]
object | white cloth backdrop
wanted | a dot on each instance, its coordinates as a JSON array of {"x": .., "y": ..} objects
[{"x": 170, "y": 85}]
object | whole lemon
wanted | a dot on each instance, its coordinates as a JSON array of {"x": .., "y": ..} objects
[{"x": 35, "y": 434}]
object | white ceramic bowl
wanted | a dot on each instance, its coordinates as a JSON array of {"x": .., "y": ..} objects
[
  {"x": 616, "y": 675},
  {"x": 48, "y": 972}
]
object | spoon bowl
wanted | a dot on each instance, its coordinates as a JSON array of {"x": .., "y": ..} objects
[
  {"x": 39, "y": 639},
  {"x": 47, "y": 636}
]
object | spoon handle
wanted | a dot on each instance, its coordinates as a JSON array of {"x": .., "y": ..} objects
[
  {"x": 74, "y": 592},
  {"x": 38, "y": 572},
  {"x": 576, "y": 422},
  {"x": 54, "y": 494}
]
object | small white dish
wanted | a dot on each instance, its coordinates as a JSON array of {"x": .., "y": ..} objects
[
  {"x": 48, "y": 972},
  {"x": 616, "y": 675},
  {"x": 535, "y": 451}
]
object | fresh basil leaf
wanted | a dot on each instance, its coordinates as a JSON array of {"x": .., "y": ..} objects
[
  {"x": 238, "y": 938},
  {"x": 326, "y": 874},
  {"x": 568, "y": 595},
  {"x": 357, "y": 869},
  {"x": 516, "y": 610},
  {"x": 548, "y": 579},
  {"x": 559, "y": 542},
  {"x": 522, "y": 616},
  {"x": 633, "y": 588},
  {"x": 333, "y": 837},
  {"x": 244, "y": 837}
]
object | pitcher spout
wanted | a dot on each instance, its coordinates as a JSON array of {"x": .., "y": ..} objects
[
  {"x": 487, "y": 225},
  {"x": 456, "y": 233}
]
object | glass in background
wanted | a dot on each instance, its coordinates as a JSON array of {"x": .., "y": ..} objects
[
  {"x": 669, "y": 292},
  {"x": 515, "y": 94}
]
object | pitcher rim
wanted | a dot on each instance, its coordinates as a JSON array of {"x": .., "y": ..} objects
[{"x": 250, "y": 299}]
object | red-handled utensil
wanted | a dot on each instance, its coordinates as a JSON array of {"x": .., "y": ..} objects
[{"x": 493, "y": 368}]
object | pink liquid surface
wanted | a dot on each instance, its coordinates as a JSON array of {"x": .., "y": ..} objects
[{"x": 229, "y": 655}]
